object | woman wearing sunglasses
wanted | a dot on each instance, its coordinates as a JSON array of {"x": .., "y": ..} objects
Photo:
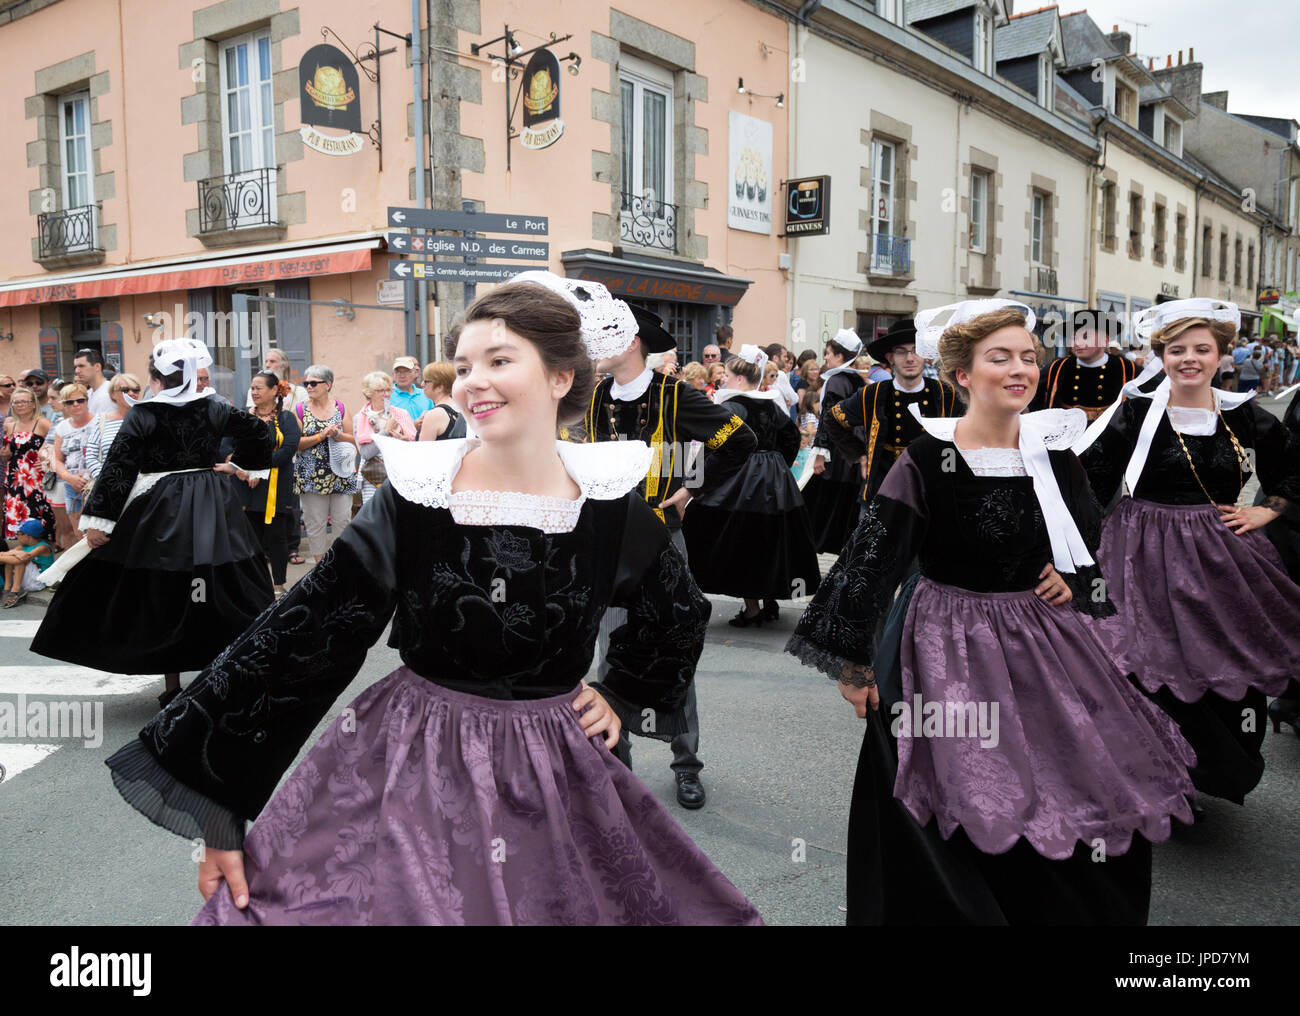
[
  {"x": 7, "y": 386},
  {"x": 122, "y": 387},
  {"x": 71, "y": 435}
]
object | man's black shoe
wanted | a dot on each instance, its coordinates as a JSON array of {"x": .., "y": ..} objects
[{"x": 690, "y": 791}]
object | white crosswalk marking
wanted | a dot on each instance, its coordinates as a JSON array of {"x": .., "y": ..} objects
[
  {"x": 14, "y": 758},
  {"x": 64, "y": 680},
  {"x": 26, "y": 685}
]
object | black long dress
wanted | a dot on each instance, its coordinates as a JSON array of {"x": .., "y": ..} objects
[
  {"x": 1207, "y": 617},
  {"x": 957, "y": 830},
  {"x": 459, "y": 789},
  {"x": 832, "y": 496},
  {"x": 182, "y": 573},
  {"x": 751, "y": 536}
]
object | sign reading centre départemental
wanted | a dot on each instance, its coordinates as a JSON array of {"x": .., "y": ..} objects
[
  {"x": 453, "y": 271},
  {"x": 473, "y": 222},
  {"x": 468, "y": 247}
]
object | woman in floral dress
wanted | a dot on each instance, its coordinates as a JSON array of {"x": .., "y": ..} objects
[
  {"x": 325, "y": 495},
  {"x": 24, "y": 434}
]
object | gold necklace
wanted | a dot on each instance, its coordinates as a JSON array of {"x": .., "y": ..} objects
[{"x": 1241, "y": 455}]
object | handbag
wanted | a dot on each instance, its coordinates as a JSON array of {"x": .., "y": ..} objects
[{"x": 373, "y": 471}]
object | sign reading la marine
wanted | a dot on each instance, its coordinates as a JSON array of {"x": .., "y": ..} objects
[{"x": 328, "y": 94}]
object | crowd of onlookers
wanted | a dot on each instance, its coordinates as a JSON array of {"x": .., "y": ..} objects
[{"x": 57, "y": 436}]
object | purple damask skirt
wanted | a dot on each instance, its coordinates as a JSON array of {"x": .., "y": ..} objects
[
  {"x": 422, "y": 805},
  {"x": 1076, "y": 754},
  {"x": 1201, "y": 609}
]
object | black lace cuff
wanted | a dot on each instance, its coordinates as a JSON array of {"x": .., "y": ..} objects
[
  {"x": 1090, "y": 594},
  {"x": 1288, "y": 510},
  {"x": 157, "y": 795},
  {"x": 662, "y": 725},
  {"x": 812, "y": 655}
]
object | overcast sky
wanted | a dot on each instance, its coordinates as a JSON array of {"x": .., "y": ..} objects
[{"x": 1246, "y": 47}]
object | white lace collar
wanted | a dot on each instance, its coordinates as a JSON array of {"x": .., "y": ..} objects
[
  {"x": 423, "y": 471},
  {"x": 1046, "y": 429},
  {"x": 723, "y": 394},
  {"x": 1058, "y": 428}
]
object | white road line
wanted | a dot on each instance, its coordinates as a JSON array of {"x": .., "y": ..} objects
[
  {"x": 14, "y": 758},
  {"x": 18, "y": 629},
  {"x": 69, "y": 681}
]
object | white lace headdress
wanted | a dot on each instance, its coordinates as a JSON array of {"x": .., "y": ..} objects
[
  {"x": 1150, "y": 320},
  {"x": 756, "y": 356},
  {"x": 608, "y": 324},
  {"x": 184, "y": 355},
  {"x": 930, "y": 324}
]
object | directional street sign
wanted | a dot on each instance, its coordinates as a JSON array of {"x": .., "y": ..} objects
[
  {"x": 451, "y": 271},
  {"x": 463, "y": 246},
  {"x": 481, "y": 222}
]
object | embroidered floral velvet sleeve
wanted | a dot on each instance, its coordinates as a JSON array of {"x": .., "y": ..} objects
[
  {"x": 652, "y": 657},
  {"x": 254, "y": 439},
  {"x": 838, "y": 628},
  {"x": 211, "y": 759}
]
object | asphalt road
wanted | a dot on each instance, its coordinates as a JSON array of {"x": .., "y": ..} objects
[{"x": 779, "y": 746}]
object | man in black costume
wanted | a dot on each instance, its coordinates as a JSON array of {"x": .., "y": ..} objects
[
  {"x": 1090, "y": 378},
  {"x": 879, "y": 412},
  {"x": 636, "y": 403}
]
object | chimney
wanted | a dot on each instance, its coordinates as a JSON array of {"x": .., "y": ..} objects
[
  {"x": 1120, "y": 40},
  {"x": 1169, "y": 60},
  {"x": 1191, "y": 55},
  {"x": 1180, "y": 58},
  {"x": 1219, "y": 100}
]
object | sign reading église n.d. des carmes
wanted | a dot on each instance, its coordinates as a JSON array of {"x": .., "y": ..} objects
[{"x": 329, "y": 96}]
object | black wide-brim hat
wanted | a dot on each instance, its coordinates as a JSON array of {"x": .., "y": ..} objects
[
  {"x": 651, "y": 331},
  {"x": 901, "y": 333}
]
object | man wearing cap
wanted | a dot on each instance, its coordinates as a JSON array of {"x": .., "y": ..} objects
[
  {"x": 879, "y": 412},
  {"x": 38, "y": 382},
  {"x": 1090, "y": 378},
  {"x": 636, "y": 403},
  {"x": 406, "y": 395}
]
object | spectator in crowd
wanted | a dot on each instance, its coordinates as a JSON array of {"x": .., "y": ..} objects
[
  {"x": 1250, "y": 369},
  {"x": 269, "y": 504},
  {"x": 71, "y": 435},
  {"x": 723, "y": 335},
  {"x": 696, "y": 375},
  {"x": 122, "y": 387},
  {"x": 810, "y": 411},
  {"x": 88, "y": 370},
  {"x": 717, "y": 378},
  {"x": 778, "y": 357},
  {"x": 64, "y": 533},
  {"x": 24, "y": 565},
  {"x": 668, "y": 362},
  {"x": 406, "y": 396},
  {"x": 38, "y": 383},
  {"x": 810, "y": 376},
  {"x": 277, "y": 362},
  {"x": 25, "y": 431},
  {"x": 443, "y": 422},
  {"x": 711, "y": 355},
  {"x": 1227, "y": 373},
  {"x": 378, "y": 417},
  {"x": 7, "y": 386},
  {"x": 325, "y": 494}
]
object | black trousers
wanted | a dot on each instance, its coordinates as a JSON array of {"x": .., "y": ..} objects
[{"x": 275, "y": 539}]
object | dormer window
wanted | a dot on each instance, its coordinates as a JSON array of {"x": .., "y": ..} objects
[
  {"x": 890, "y": 10},
  {"x": 983, "y": 42},
  {"x": 1173, "y": 135},
  {"x": 1046, "y": 82}
]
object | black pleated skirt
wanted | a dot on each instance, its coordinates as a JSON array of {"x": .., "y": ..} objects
[{"x": 181, "y": 577}]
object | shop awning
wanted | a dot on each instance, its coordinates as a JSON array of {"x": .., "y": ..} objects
[
  {"x": 1276, "y": 320},
  {"x": 255, "y": 267}
]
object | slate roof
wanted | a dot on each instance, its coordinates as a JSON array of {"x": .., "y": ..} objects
[{"x": 1025, "y": 35}]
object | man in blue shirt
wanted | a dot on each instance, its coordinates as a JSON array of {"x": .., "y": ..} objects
[{"x": 406, "y": 395}]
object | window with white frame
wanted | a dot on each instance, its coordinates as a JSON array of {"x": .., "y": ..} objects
[
  {"x": 1046, "y": 82},
  {"x": 1173, "y": 135},
  {"x": 247, "y": 106},
  {"x": 1038, "y": 219},
  {"x": 890, "y": 10},
  {"x": 979, "y": 200},
  {"x": 646, "y": 94},
  {"x": 74, "y": 150},
  {"x": 883, "y": 155},
  {"x": 980, "y": 52}
]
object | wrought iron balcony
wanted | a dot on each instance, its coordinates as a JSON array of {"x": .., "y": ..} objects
[
  {"x": 648, "y": 222},
  {"x": 1044, "y": 280},
  {"x": 237, "y": 201},
  {"x": 888, "y": 254},
  {"x": 71, "y": 231}
]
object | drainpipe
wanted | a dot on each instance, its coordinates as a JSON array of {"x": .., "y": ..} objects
[{"x": 417, "y": 73}]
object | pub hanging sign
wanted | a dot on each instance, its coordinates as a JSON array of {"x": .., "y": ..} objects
[
  {"x": 542, "y": 123},
  {"x": 329, "y": 97},
  {"x": 808, "y": 206}
]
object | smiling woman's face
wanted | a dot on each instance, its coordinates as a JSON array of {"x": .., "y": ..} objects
[
  {"x": 1003, "y": 373},
  {"x": 502, "y": 384},
  {"x": 1191, "y": 359}
]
